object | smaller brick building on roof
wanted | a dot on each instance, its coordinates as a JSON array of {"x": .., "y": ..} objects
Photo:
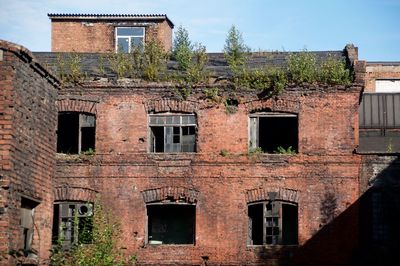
[{"x": 107, "y": 32}]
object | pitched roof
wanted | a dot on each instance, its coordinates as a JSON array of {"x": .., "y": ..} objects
[{"x": 62, "y": 16}]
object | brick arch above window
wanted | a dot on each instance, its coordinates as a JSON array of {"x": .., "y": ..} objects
[
  {"x": 270, "y": 193},
  {"x": 274, "y": 105},
  {"x": 75, "y": 105},
  {"x": 170, "y": 105},
  {"x": 180, "y": 194},
  {"x": 67, "y": 193}
]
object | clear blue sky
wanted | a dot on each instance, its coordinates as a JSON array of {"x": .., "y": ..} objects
[{"x": 372, "y": 25}]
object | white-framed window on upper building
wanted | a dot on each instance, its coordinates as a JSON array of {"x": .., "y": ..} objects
[{"x": 128, "y": 38}]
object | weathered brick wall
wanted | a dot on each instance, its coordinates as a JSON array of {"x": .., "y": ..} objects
[
  {"x": 99, "y": 36},
  {"x": 122, "y": 169},
  {"x": 28, "y": 122},
  {"x": 377, "y": 71}
]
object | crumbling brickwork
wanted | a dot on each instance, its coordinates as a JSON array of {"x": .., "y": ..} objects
[{"x": 27, "y": 136}]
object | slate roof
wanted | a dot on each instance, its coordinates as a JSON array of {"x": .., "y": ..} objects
[
  {"x": 216, "y": 63},
  {"x": 62, "y": 16}
]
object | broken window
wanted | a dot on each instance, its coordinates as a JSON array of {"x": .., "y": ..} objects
[
  {"x": 171, "y": 223},
  {"x": 273, "y": 132},
  {"x": 128, "y": 38},
  {"x": 172, "y": 133},
  {"x": 72, "y": 223},
  {"x": 273, "y": 223},
  {"x": 75, "y": 132},
  {"x": 27, "y": 219}
]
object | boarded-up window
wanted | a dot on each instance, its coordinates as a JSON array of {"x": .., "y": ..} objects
[
  {"x": 273, "y": 223},
  {"x": 273, "y": 132},
  {"x": 172, "y": 133},
  {"x": 75, "y": 133},
  {"x": 171, "y": 223},
  {"x": 27, "y": 222}
]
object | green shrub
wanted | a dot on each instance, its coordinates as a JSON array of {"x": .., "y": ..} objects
[
  {"x": 154, "y": 60},
  {"x": 69, "y": 66},
  {"x": 255, "y": 151},
  {"x": 102, "y": 249},
  {"x": 334, "y": 71},
  {"x": 282, "y": 150},
  {"x": 302, "y": 67}
]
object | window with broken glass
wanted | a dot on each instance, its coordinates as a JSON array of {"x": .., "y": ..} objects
[
  {"x": 128, "y": 38},
  {"x": 273, "y": 132},
  {"x": 273, "y": 223},
  {"x": 75, "y": 132},
  {"x": 72, "y": 223},
  {"x": 172, "y": 133}
]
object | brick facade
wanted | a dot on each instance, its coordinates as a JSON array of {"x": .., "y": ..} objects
[
  {"x": 27, "y": 123},
  {"x": 127, "y": 176},
  {"x": 97, "y": 33}
]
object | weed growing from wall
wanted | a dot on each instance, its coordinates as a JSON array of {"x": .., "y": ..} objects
[{"x": 69, "y": 66}]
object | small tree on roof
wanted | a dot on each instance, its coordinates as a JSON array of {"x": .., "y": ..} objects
[
  {"x": 182, "y": 50},
  {"x": 235, "y": 49}
]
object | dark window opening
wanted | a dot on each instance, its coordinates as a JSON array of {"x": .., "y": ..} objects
[
  {"x": 27, "y": 222},
  {"x": 172, "y": 133},
  {"x": 273, "y": 223},
  {"x": 75, "y": 133},
  {"x": 72, "y": 223},
  {"x": 274, "y": 132},
  {"x": 171, "y": 224}
]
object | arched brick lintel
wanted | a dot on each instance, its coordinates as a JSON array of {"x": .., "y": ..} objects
[
  {"x": 170, "y": 105},
  {"x": 74, "y": 194},
  {"x": 275, "y": 105},
  {"x": 263, "y": 194},
  {"x": 74, "y": 105},
  {"x": 170, "y": 193}
]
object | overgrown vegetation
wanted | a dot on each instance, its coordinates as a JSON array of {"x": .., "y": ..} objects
[
  {"x": 282, "y": 150},
  {"x": 70, "y": 68},
  {"x": 150, "y": 63},
  {"x": 255, "y": 151},
  {"x": 102, "y": 250},
  {"x": 191, "y": 60}
]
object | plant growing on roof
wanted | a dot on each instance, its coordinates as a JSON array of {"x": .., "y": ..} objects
[
  {"x": 302, "y": 67},
  {"x": 182, "y": 50},
  {"x": 333, "y": 71},
  {"x": 154, "y": 60},
  {"x": 235, "y": 50}
]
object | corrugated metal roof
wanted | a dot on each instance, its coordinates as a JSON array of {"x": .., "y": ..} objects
[{"x": 111, "y": 16}]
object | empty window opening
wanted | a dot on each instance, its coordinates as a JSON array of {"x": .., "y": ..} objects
[
  {"x": 72, "y": 223},
  {"x": 129, "y": 38},
  {"x": 172, "y": 133},
  {"x": 273, "y": 223},
  {"x": 75, "y": 133},
  {"x": 171, "y": 223},
  {"x": 27, "y": 222},
  {"x": 274, "y": 132}
]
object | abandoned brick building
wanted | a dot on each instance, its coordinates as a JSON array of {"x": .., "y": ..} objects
[{"x": 178, "y": 173}]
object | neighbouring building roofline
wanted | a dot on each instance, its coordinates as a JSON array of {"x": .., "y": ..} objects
[
  {"x": 111, "y": 17},
  {"x": 27, "y": 56}
]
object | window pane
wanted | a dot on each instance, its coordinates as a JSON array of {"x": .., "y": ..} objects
[
  {"x": 130, "y": 31},
  {"x": 123, "y": 45},
  {"x": 137, "y": 42}
]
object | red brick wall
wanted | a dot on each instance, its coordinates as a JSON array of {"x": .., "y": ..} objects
[
  {"x": 27, "y": 135},
  {"x": 99, "y": 36},
  {"x": 122, "y": 169}
]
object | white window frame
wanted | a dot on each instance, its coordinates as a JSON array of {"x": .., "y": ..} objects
[{"x": 129, "y": 37}]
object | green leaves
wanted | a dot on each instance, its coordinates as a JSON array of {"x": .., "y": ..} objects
[{"x": 235, "y": 50}]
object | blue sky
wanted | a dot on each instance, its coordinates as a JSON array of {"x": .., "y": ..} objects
[{"x": 268, "y": 25}]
